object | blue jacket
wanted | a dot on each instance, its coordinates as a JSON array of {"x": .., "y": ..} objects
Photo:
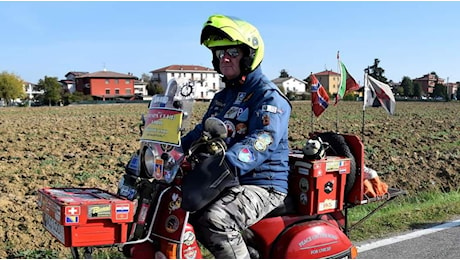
[{"x": 257, "y": 117}]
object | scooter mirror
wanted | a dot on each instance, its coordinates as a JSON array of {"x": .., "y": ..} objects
[{"x": 215, "y": 127}]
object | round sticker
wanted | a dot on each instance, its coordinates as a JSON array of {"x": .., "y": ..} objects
[{"x": 172, "y": 224}]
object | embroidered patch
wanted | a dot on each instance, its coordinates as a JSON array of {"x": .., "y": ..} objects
[
  {"x": 244, "y": 115},
  {"x": 266, "y": 138},
  {"x": 248, "y": 97},
  {"x": 260, "y": 146},
  {"x": 232, "y": 113},
  {"x": 230, "y": 128},
  {"x": 265, "y": 120},
  {"x": 240, "y": 98},
  {"x": 269, "y": 108},
  {"x": 246, "y": 155},
  {"x": 241, "y": 129}
]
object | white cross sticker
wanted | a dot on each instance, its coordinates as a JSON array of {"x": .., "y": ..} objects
[{"x": 73, "y": 210}]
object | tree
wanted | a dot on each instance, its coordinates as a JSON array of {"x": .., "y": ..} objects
[
  {"x": 11, "y": 87},
  {"x": 408, "y": 86},
  {"x": 52, "y": 90},
  {"x": 154, "y": 88},
  {"x": 418, "y": 92},
  {"x": 284, "y": 74},
  {"x": 440, "y": 91},
  {"x": 377, "y": 72},
  {"x": 458, "y": 90},
  {"x": 145, "y": 77}
]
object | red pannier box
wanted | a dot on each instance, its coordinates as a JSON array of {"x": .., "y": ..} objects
[
  {"x": 85, "y": 216},
  {"x": 319, "y": 185}
]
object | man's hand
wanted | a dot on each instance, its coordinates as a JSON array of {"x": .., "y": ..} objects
[{"x": 207, "y": 180}]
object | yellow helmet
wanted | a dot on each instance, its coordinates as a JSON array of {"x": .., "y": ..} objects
[{"x": 220, "y": 30}]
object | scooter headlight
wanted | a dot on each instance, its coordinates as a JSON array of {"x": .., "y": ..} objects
[{"x": 149, "y": 161}]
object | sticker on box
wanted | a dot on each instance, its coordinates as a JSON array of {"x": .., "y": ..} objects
[
  {"x": 332, "y": 166},
  {"x": 121, "y": 211},
  {"x": 71, "y": 219},
  {"x": 99, "y": 211},
  {"x": 327, "y": 204},
  {"x": 72, "y": 210},
  {"x": 54, "y": 227}
]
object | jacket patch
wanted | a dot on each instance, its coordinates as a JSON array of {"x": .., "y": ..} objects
[
  {"x": 233, "y": 112},
  {"x": 230, "y": 128},
  {"x": 243, "y": 116},
  {"x": 265, "y": 120},
  {"x": 271, "y": 109},
  {"x": 241, "y": 129},
  {"x": 263, "y": 141},
  {"x": 240, "y": 98},
  {"x": 246, "y": 155}
]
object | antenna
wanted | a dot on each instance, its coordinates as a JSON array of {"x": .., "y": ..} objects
[{"x": 105, "y": 69}]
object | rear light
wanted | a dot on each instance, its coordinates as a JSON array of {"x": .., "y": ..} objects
[
  {"x": 353, "y": 252},
  {"x": 171, "y": 251}
]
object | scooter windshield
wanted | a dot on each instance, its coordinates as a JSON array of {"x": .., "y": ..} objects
[{"x": 169, "y": 113}]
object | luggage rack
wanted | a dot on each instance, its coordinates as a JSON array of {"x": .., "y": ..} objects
[{"x": 387, "y": 197}]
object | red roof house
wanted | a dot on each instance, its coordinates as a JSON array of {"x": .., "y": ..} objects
[{"x": 106, "y": 85}]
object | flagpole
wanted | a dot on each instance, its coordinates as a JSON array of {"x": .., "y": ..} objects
[
  {"x": 337, "y": 95},
  {"x": 364, "y": 103},
  {"x": 311, "y": 101}
]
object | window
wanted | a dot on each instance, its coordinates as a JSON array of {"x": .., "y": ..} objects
[
  {"x": 116, "y": 81},
  {"x": 107, "y": 81},
  {"x": 128, "y": 91},
  {"x": 107, "y": 91},
  {"x": 214, "y": 85},
  {"x": 127, "y": 81},
  {"x": 117, "y": 91}
]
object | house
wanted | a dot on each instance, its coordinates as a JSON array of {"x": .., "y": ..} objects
[
  {"x": 140, "y": 89},
  {"x": 102, "y": 85},
  {"x": 330, "y": 80},
  {"x": 68, "y": 84},
  {"x": 32, "y": 91},
  {"x": 205, "y": 81},
  {"x": 427, "y": 82},
  {"x": 291, "y": 84}
]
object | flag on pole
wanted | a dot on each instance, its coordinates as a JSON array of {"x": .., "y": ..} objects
[
  {"x": 347, "y": 82},
  {"x": 319, "y": 96},
  {"x": 374, "y": 89}
]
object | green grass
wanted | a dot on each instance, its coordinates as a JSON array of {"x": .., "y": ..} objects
[{"x": 404, "y": 214}]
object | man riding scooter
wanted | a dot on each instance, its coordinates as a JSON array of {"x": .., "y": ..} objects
[{"x": 256, "y": 115}]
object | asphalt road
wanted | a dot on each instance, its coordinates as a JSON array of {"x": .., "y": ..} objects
[{"x": 441, "y": 241}]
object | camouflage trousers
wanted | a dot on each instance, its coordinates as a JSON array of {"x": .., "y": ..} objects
[{"x": 219, "y": 226}]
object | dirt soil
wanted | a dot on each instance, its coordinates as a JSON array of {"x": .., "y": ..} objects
[{"x": 88, "y": 146}]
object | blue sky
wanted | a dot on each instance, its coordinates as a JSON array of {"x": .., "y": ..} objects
[{"x": 52, "y": 38}]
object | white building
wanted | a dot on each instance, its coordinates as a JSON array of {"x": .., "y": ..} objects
[
  {"x": 32, "y": 91},
  {"x": 140, "y": 88},
  {"x": 206, "y": 82},
  {"x": 291, "y": 84}
]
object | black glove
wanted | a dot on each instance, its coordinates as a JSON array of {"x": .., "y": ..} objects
[{"x": 206, "y": 181}]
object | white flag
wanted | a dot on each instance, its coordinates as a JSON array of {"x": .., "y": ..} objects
[{"x": 374, "y": 89}]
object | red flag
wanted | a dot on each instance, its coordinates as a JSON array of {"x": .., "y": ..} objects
[{"x": 319, "y": 96}]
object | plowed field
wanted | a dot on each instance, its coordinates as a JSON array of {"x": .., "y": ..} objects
[{"x": 88, "y": 146}]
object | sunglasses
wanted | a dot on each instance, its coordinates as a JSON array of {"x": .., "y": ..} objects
[{"x": 232, "y": 52}]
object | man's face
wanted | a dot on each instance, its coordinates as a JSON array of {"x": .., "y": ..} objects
[{"x": 229, "y": 61}]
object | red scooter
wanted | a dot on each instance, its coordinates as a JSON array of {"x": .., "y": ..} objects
[{"x": 145, "y": 219}]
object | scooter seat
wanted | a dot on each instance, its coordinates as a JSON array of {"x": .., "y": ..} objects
[{"x": 285, "y": 208}]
